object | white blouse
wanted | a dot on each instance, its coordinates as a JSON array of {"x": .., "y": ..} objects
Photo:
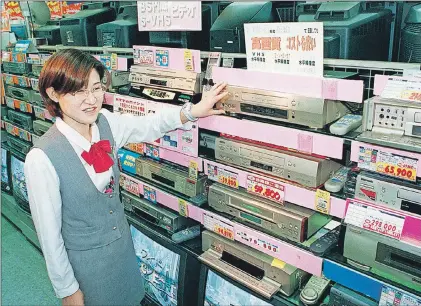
[{"x": 44, "y": 186}]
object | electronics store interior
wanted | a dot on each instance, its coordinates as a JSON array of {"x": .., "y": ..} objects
[{"x": 305, "y": 191}]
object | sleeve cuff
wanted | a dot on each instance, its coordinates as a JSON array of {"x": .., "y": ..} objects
[
  {"x": 186, "y": 126},
  {"x": 65, "y": 292}
]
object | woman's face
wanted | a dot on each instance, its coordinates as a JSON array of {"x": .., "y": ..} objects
[{"x": 84, "y": 105}]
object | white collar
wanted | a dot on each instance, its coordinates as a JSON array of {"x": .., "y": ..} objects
[{"x": 74, "y": 137}]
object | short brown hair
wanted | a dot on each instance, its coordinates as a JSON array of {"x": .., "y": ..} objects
[{"x": 67, "y": 71}]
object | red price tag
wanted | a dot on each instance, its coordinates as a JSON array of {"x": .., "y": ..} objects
[{"x": 265, "y": 188}]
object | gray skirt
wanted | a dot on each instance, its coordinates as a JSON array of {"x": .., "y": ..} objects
[{"x": 109, "y": 275}]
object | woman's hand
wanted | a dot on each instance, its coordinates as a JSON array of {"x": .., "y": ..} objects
[
  {"x": 76, "y": 299},
  {"x": 209, "y": 99}
]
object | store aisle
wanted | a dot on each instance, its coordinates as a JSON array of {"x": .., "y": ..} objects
[{"x": 24, "y": 279}]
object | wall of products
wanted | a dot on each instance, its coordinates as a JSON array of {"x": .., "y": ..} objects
[{"x": 305, "y": 193}]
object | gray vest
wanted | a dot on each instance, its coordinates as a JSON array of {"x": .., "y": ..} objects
[
  {"x": 85, "y": 209},
  {"x": 94, "y": 228}
]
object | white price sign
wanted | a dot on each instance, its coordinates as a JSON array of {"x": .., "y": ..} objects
[
  {"x": 169, "y": 15},
  {"x": 295, "y": 48},
  {"x": 218, "y": 225},
  {"x": 265, "y": 188},
  {"x": 374, "y": 219}
]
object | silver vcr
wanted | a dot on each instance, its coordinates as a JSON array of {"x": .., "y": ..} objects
[
  {"x": 311, "y": 112},
  {"x": 261, "y": 275},
  {"x": 183, "y": 81},
  {"x": 293, "y": 166},
  {"x": 389, "y": 192},
  {"x": 286, "y": 221},
  {"x": 391, "y": 122},
  {"x": 385, "y": 256}
]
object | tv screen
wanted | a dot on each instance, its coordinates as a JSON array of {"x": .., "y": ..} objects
[
  {"x": 220, "y": 292},
  {"x": 18, "y": 182},
  {"x": 5, "y": 177},
  {"x": 159, "y": 267}
]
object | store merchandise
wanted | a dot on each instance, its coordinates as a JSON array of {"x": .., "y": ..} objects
[{"x": 237, "y": 209}]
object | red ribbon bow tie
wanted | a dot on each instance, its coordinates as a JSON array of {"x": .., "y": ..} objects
[{"x": 98, "y": 156}]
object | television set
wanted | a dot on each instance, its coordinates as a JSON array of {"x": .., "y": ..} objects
[
  {"x": 216, "y": 289},
  {"x": 20, "y": 191},
  {"x": 6, "y": 178},
  {"x": 80, "y": 29},
  {"x": 123, "y": 32},
  {"x": 198, "y": 40},
  {"x": 171, "y": 272},
  {"x": 227, "y": 32},
  {"x": 350, "y": 30},
  {"x": 50, "y": 31}
]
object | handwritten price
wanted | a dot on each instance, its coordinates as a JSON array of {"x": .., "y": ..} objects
[
  {"x": 267, "y": 192},
  {"x": 382, "y": 228},
  {"x": 229, "y": 181},
  {"x": 411, "y": 95},
  {"x": 227, "y": 233},
  {"x": 399, "y": 172}
]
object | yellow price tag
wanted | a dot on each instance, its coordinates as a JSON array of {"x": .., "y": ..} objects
[
  {"x": 322, "y": 201},
  {"x": 193, "y": 169},
  {"x": 188, "y": 60},
  {"x": 402, "y": 170},
  {"x": 224, "y": 231},
  {"x": 277, "y": 263},
  {"x": 413, "y": 95},
  {"x": 228, "y": 178},
  {"x": 183, "y": 208},
  {"x": 114, "y": 61}
]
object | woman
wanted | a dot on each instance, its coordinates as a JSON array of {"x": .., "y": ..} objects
[{"x": 72, "y": 173}]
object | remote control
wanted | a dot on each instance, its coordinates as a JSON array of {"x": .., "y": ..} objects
[
  {"x": 314, "y": 290},
  {"x": 186, "y": 234},
  {"x": 338, "y": 180},
  {"x": 324, "y": 244},
  {"x": 346, "y": 124}
]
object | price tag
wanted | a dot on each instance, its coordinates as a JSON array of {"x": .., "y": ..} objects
[
  {"x": 388, "y": 163},
  {"x": 183, "y": 208},
  {"x": 152, "y": 151},
  {"x": 374, "y": 219},
  {"x": 228, "y": 178},
  {"x": 266, "y": 188},
  {"x": 188, "y": 60},
  {"x": 322, "y": 201},
  {"x": 216, "y": 224},
  {"x": 412, "y": 95},
  {"x": 149, "y": 194},
  {"x": 397, "y": 166},
  {"x": 129, "y": 185},
  {"x": 391, "y": 296},
  {"x": 135, "y": 147},
  {"x": 223, "y": 176},
  {"x": 114, "y": 61},
  {"x": 193, "y": 169}
]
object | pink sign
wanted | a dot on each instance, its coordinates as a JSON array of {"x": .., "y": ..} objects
[
  {"x": 169, "y": 15},
  {"x": 176, "y": 59}
]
